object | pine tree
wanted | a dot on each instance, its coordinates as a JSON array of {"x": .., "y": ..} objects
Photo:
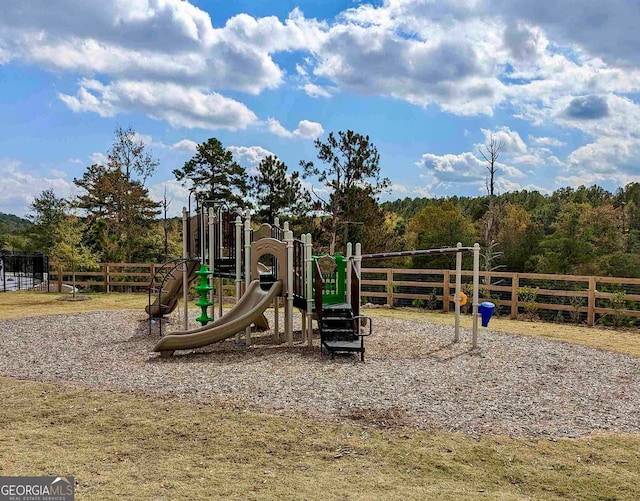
[
  {"x": 213, "y": 174},
  {"x": 351, "y": 170},
  {"x": 119, "y": 209},
  {"x": 277, "y": 193}
]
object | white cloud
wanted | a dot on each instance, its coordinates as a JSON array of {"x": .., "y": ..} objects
[
  {"x": 610, "y": 32},
  {"x": 546, "y": 141},
  {"x": 548, "y": 61},
  {"x": 185, "y": 145},
  {"x": 306, "y": 129},
  {"x": 20, "y": 185},
  {"x": 397, "y": 189},
  {"x": 460, "y": 168},
  {"x": 147, "y": 51},
  {"x": 177, "y": 195},
  {"x": 145, "y": 139},
  {"x": 314, "y": 90},
  {"x": 250, "y": 154},
  {"x": 98, "y": 158},
  {"x": 528, "y": 159},
  {"x": 180, "y": 106},
  {"x": 607, "y": 159},
  {"x": 456, "y": 73},
  {"x": 57, "y": 173},
  {"x": 406, "y": 49},
  {"x": 511, "y": 140},
  {"x": 445, "y": 172},
  {"x": 276, "y": 128}
]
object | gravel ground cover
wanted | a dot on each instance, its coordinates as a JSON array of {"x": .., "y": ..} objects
[{"x": 414, "y": 376}]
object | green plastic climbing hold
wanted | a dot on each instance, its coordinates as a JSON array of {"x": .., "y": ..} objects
[{"x": 203, "y": 289}]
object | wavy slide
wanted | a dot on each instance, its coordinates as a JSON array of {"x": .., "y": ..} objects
[
  {"x": 171, "y": 295},
  {"x": 247, "y": 311}
]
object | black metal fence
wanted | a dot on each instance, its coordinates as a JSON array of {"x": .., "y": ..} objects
[{"x": 20, "y": 271}]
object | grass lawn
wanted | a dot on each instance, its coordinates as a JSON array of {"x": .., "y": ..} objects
[
  {"x": 124, "y": 446},
  {"x": 36, "y": 304},
  {"x": 132, "y": 447}
]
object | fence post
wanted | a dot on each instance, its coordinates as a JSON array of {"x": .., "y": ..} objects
[
  {"x": 591, "y": 307},
  {"x": 106, "y": 277},
  {"x": 446, "y": 289},
  {"x": 59, "y": 278},
  {"x": 515, "y": 285},
  {"x": 390, "y": 287}
]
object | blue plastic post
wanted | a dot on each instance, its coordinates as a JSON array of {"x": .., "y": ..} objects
[{"x": 486, "y": 311}]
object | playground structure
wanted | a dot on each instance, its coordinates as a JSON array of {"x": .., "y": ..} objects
[{"x": 266, "y": 264}]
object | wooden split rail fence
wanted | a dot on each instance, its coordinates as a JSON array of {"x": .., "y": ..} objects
[
  {"x": 588, "y": 296},
  {"x": 112, "y": 277}
]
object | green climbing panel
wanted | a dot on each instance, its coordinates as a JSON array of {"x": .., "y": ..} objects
[{"x": 334, "y": 274}]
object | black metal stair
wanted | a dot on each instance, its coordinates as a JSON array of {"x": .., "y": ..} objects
[{"x": 340, "y": 330}]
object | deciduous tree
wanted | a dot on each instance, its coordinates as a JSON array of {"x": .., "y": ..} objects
[
  {"x": 436, "y": 226},
  {"x": 129, "y": 155},
  {"x": 68, "y": 250},
  {"x": 583, "y": 235},
  {"x": 519, "y": 237},
  {"x": 490, "y": 153},
  {"x": 47, "y": 212}
]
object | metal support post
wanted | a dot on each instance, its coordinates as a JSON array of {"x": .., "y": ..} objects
[
  {"x": 288, "y": 313},
  {"x": 476, "y": 287},
  {"x": 185, "y": 271},
  {"x": 238, "y": 264},
  {"x": 247, "y": 263},
  {"x": 308, "y": 284},
  {"x": 456, "y": 299},
  {"x": 211, "y": 257}
]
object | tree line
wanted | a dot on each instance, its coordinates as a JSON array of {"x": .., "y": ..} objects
[
  {"x": 587, "y": 230},
  {"x": 114, "y": 218}
]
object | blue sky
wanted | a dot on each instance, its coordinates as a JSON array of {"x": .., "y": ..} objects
[{"x": 428, "y": 80}]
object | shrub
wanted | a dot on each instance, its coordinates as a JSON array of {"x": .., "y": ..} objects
[
  {"x": 528, "y": 295},
  {"x": 576, "y": 303},
  {"x": 468, "y": 290},
  {"x": 618, "y": 303},
  {"x": 432, "y": 302}
]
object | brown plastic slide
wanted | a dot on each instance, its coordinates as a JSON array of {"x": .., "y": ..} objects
[
  {"x": 172, "y": 293},
  {"x": 249, "y": 309}
]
